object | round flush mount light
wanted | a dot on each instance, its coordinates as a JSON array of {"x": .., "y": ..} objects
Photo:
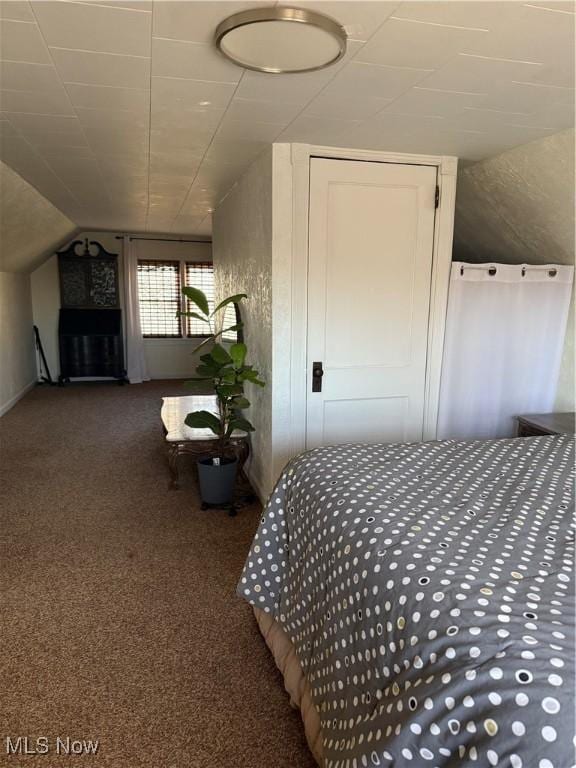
[{"x": 281, "y": 40}]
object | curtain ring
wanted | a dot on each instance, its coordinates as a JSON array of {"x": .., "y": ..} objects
[
  {"x": 523, "y": 271},
  {"x": 552, "y": 272},
  {"x": 492, "y": 271},
  {"x": 461, "y": 271}
]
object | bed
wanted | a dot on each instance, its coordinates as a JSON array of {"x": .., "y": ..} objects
[{"x": 419, "y": 599}]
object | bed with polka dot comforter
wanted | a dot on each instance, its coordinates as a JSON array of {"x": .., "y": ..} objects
[{"x": 428, "y": 590}]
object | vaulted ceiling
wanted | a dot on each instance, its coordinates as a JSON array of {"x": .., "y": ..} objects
[{"x": 124, "y": 116}]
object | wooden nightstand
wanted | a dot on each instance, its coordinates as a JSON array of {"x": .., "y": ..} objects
[{"x": 535, "y": 424}]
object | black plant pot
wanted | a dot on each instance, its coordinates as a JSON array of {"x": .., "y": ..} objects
[{"x": 217, "y": 481}]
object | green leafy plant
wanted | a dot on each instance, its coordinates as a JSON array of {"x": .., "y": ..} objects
[
  {"x": 224, "y": 369},
  {"x": 214, "y": 320}
]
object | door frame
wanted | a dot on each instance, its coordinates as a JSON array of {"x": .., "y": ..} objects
[{"x": 295, "y": 163}]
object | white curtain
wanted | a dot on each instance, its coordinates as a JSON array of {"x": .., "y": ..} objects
[
  {"x": 136, "y": 368},
  {"x": 505, "y": 331}
]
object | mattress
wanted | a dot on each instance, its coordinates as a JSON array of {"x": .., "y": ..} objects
[
  {"x": 427, "y": 591},
  {"x": 295, "y": 681}
]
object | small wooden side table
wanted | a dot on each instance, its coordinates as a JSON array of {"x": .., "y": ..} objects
[
  {"x": 182, "y": 439},
  {"x": 534, "y": 424}
]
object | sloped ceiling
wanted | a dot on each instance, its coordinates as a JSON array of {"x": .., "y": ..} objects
[
  {"x": 519, "y": 206},
  {"x": 31, "y": 228}
]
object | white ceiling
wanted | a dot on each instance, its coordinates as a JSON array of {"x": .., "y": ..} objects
[{"x": 125, "y": 117}]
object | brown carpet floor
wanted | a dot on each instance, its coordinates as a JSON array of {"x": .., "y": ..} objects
[{"x": 118, "y": 616}]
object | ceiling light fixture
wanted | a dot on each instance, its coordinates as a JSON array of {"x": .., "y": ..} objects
[{"x": 281, "y": 40}]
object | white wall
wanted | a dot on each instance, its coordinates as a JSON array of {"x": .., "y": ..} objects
[
  {"x": 171, "y": 358},
  {"x": 17, "y": 356},
  {"x": 45, "y": 305},
  {"x": 30, "y": 227},
  {"x": 242, "y": 251},
  {"x": 565, "y": 394},
  {"x": 519, "y": 207},
  {"x": 166, "y": 358}
]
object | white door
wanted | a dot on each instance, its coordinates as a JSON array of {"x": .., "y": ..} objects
[{"x": 370, "y": 262}]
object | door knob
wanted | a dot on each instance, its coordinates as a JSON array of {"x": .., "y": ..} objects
[{"x": 317, "y": 373}]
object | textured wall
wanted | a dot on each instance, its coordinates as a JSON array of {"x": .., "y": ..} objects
[
  {"x": 282, "y": 287},
  {"x": 242, "y": 253},
  {"x": 519, "y": 207},
  {"x": 30, "y": 227},
  {"x": 17, "y": 356}
]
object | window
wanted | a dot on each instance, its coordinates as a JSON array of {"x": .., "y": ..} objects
[
  {"x": 199, "y": 275},
  {"x": 231, "y": 317},
  {"x": 159, "y": 298}
]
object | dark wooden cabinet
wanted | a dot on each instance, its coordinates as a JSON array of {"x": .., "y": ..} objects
[
  {"x": 91, "y": 343},
  {"x": 90, "y": 327},
  {"x": 88, "y": 280}
]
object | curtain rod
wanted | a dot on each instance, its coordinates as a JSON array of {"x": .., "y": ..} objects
[
  {"x": 493, "y": 270},
  {"x": 162, "y": 239}
]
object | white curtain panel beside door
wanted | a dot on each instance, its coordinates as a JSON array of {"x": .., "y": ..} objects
[
  {"x": 136, "y": 368},
  {"x": 505, "y": 329}
]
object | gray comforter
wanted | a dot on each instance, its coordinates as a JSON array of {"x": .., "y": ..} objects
[{"x": 429, "y": 592}]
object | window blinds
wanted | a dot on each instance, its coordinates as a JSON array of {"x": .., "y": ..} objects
[
  {"x": 199, "y": 275},
  {"x": 159, "y": 298}
]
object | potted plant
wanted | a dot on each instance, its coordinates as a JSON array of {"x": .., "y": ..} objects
[{"x": 226, "y": 372}]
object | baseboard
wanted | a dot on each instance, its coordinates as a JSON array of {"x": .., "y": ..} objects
[
  {"x": 13, "y": 400},
  {"x": 263, "y": 497}
]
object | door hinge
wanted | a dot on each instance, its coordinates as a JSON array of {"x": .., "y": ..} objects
[{"x": 437, "y": 197}]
